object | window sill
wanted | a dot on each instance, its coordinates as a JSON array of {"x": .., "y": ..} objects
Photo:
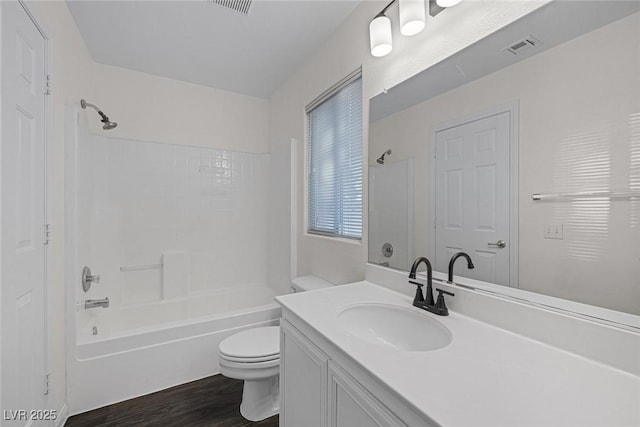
[{"x": 337, "y": 239}]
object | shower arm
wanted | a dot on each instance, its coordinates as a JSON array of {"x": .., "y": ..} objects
[
  {"x": 86, "y": 104},
  {"x": 108, "y": 124}
]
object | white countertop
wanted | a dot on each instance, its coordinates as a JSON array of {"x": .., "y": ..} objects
[{"x": 485, "y": 376}]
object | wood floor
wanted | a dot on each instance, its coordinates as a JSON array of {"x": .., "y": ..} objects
[{"x": 212, "y": 401}]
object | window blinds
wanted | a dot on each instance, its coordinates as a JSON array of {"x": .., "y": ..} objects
[{"x": 335, "y": 160}]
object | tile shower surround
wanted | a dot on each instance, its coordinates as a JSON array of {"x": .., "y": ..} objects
[{"x": 140, "y": 200}]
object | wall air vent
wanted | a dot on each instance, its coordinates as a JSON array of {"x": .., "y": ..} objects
[
  {"x": 524, "y": 45},
  {"x": 241, "y": 6}
]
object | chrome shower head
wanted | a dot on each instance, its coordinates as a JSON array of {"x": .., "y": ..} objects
[
  {"x": 380, "y": 159},
  {"x": 107, "y": 124}
]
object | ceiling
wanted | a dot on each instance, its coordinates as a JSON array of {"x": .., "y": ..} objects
[{"x": 203, "y": 43}]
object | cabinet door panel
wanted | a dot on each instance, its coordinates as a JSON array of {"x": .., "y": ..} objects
[
  {"x": 349, "y": 404},
  {"x": 303, "y": 380}
]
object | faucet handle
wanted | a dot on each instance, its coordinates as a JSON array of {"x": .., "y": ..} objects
[
  {"x": 441, "y": 305},
  {"x": 418, "y": 300},
  {"x": 442, "y": 291}
]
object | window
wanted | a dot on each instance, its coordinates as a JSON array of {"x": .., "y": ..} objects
[{"x": 334, "y": 135}]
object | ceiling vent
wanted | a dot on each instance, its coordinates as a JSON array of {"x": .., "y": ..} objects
[
  {"x": 241, "y": 6},
  {"x": 524, "y": 45}
]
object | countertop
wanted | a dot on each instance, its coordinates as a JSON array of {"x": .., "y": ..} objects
[{"x": 485, "y": 376}]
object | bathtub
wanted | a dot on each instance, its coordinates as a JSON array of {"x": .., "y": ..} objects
[{"x": 132, "y": 354}]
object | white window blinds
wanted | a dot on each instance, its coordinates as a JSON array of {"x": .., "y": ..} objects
[{"x": 334, "y": 168}]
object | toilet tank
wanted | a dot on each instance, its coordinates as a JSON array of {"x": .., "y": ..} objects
[{"x": 308, "y": 283}]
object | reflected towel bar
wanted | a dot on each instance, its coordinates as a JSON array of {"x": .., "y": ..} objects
[
  {"x": 141, "y": 267},
  {"x": 611, "y": 194}
]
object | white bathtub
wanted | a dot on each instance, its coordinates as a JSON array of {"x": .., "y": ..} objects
[{"x": 125, "y": 362}]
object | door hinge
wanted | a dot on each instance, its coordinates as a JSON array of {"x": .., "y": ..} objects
[
  {"x": 48, "y": 230},
  {"x": 48, "y": 85},
  {"x": 47, "y": 382}
]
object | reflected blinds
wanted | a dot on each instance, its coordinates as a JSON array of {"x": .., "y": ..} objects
[{"x": 334, "y": 169}]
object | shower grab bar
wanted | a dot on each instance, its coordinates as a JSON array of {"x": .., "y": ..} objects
[
  {"x": 141, "y": 267},
  {"x": 612, "y": 194}
]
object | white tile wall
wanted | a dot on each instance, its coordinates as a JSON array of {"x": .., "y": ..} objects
[{"x": 139, "y": 200}]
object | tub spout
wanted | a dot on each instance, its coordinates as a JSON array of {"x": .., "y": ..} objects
[{"x": 95, "y": 303}]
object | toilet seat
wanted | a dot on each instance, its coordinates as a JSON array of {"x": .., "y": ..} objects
[
  {"x": 249, "y": 366},
  {"x": 250, "y": 355},
  {"x": 248, "y": 359},
  {"x": 252, "y": 345}
]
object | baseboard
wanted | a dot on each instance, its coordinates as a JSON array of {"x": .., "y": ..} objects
[{"x": 63, "y": 416}]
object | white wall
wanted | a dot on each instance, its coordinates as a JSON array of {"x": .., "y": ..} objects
[
  {"x": 152, "y": 108},
  {"x": 279, "y": 229},
  {"x": 342, "y": 261},
  {"x": 579, "y": 113}
]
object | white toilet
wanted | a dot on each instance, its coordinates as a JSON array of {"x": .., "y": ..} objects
[{"x": 253, "y": 355}]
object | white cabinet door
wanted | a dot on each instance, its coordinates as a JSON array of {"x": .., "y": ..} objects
[
  {"x": 350, "y": 405},
  {"x": 303, "y": 380}
]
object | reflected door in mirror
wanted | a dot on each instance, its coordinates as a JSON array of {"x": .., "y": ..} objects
[{"x": 473, "y": 181}]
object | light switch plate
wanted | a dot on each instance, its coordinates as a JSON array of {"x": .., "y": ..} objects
[{"x": 553, "y": 231}]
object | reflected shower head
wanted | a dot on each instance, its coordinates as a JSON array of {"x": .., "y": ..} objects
[
  {"x": 380, "y": 159},
  {"x": 107, "y": 124}
]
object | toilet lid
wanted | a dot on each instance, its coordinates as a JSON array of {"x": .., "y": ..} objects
[{"x": 252, "y": 343}]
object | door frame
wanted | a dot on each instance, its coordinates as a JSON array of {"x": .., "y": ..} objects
[
  {"x": 513, "y": 109},
  {"x": 45, "y": 32}
]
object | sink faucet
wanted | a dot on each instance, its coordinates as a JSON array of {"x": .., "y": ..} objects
[
  {"x": 426, "y": 302},
  {"x": 412, "y": 275},
  {"x": 470, "y": 265},
  {"x": 95, "y": 303}
]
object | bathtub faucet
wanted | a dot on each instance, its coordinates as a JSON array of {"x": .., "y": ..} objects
[{"x": 95, "y": 303}]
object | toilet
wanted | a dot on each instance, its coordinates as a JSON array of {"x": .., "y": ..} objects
[{"x": 253, "y": 356}]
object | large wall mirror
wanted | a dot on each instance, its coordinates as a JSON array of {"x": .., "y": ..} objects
[{"x": 522, "y": 150}]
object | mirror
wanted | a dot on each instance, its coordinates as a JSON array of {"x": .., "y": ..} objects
[{"x": 522, "y": 150}]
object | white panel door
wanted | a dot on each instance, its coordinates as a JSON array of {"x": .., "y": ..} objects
[
  {"x": 472, "y": 197},
  {"x": 23, "y": 215}
]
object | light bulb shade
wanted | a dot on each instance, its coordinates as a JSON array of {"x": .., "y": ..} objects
[
  {"x": 412, "y": 16},
  {"x": 380, "y": 36},
  {"x": 447, "y": 3}
]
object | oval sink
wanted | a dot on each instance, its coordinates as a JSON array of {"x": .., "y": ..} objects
[{"x": 393, "y": 326}]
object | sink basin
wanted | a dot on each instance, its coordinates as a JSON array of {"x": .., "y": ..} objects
[{"x": 392, "y": 326}]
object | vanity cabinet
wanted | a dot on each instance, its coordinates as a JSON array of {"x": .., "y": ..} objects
[
  {"x": 318, "y": 390},
  {"x": 303, "y": 380},
  {"x": 349, "y": 404}
]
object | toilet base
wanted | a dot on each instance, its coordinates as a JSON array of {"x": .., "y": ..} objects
[{"x": 260, "y": 398}]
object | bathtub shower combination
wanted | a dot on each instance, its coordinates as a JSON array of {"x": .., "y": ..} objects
[{"x": 179, "y": 237}]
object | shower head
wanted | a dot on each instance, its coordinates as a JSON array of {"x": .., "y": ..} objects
[
  {"x": 380, "y": 159},
  {"x": 107, "y": 124}
]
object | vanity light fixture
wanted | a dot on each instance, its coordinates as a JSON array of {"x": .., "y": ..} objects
[
  {"x": 412, "y": 16},
  {"x": 447, "y": 3},
  {"x": 412, "y": 21},
  {"x": 380, "y": 34}
]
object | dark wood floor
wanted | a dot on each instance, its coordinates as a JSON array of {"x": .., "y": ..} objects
[{"x": 212, "y": 401}]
